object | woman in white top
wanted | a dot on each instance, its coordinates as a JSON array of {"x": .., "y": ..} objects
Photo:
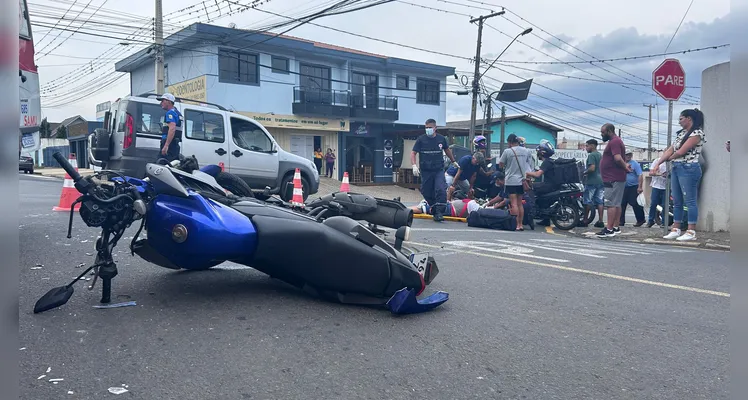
[
  {"x": 657, "y": 197},
  {"x": 685, "y": 171}
]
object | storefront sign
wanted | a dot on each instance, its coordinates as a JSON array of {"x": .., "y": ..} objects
[
  {"x": 297, "y": 122},
  {"x": 361, "y": 130},
  {"x": 193, "y": 89}
]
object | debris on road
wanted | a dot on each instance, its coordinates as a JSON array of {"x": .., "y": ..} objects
[
  {"x": 116, "y": 305},
  {"x": 117, "y": 390}
]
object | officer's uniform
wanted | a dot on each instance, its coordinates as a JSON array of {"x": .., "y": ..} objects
[
  {"x": 172, "y": 153},
  {"x": 431, "y": 166}
]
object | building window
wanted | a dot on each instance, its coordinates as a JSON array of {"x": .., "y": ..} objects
[
  {"x": 314, "y": 77},
  {"x": 236, "y": 67},
  {"x": 402, "y": 82},
  {"x": 249, "y": 136},
  {"x": 200, "y": 125},
  {"x": 279, "y": 65},
  {"x": 427, "y": 91}
]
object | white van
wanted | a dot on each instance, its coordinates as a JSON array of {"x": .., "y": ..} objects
[{"x": 131, "y": 137}]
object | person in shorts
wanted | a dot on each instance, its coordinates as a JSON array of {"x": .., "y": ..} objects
[
  {"x": 593, "y": 185},
  {"x": 515, "y": 162},
  {"x": 463, "y": 175},
  {"x": 614, "y": 168}
]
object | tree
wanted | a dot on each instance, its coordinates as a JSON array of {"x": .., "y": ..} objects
[
  {"x": 45, "y": 129},
  {"x": 62, "y": 132}
]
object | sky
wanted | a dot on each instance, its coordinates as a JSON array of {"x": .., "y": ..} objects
[{"x": 578, "y": 97}]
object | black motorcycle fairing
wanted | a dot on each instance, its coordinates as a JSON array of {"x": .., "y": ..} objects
[{"x": 304, "y": 252}]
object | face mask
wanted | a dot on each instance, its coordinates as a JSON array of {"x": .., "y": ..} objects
[
  {"x": 605, "y": 138},
  {"x": 430, "y": 131}
]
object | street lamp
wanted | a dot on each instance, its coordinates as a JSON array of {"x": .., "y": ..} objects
[{"x": 478, "y": 76}]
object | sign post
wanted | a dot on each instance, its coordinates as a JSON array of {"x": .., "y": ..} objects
[{"x": 669, "y": 81}]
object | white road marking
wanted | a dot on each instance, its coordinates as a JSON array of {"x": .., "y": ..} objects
[
  {"x": 557, "y": 249},
  {"x": 584, "y": 271},
  {"x": 588, "y": 248},
  {"x": 636, "y": 248},
  {"x": 497, "y": 248}
]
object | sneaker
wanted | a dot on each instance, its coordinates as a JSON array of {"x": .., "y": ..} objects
[
  {"x": 650, "y": 224},
  {"x": 616, "y": 231},
  {"x": 605, "y": 233},
  {"x": 689, "y": 235},
  {"x": 673, "y": 234}
]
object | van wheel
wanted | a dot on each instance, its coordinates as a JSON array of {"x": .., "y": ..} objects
[
  {"x": 234, "y": 184},
  {"x": 287, "y": 195}
]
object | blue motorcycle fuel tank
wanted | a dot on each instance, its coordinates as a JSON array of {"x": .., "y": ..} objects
[{"x": 197, "y": 233}]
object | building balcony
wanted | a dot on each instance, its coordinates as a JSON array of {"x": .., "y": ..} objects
[
  {"x": 373, "y": 107},
  {"x": 321, "y": 102},
  {"x": 342, "y": 104}
]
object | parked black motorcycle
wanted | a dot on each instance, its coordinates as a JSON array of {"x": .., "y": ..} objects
[{"x": 561, "y": 207}]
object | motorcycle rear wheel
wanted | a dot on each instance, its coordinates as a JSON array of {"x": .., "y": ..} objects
[{"x": 567, "y": 216}]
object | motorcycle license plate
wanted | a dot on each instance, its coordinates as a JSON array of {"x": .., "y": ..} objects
[{"x": 420, "y": 260}]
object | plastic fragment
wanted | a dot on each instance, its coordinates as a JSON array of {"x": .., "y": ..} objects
[
  {"x": 49, "y": 369},
  {"x": 117, "y": 390},
  {"x": 70, "y": 392},
  {"x": 57, "y": 380},
  {"x": 41, "y": 377}
]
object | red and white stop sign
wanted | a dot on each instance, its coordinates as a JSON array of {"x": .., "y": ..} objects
[{"x": 669, "y": 80}]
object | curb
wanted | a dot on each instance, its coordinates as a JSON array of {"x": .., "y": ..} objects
[{"x": 702, "y": 245}]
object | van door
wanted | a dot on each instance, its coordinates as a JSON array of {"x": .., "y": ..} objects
[
  {"x": 252, "y": 153},
  {"x": 204, "y": 136}
]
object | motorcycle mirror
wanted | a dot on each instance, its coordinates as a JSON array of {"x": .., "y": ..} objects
[{"x": 54, "y": 298}]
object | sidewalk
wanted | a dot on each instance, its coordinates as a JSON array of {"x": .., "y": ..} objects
[
  {"x": 59, "y": 172},
  {"x": 328, "y": 186},
  {"x": 653, "y": 235}
]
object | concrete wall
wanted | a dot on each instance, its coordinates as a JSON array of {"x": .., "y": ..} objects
[{"x": 714, "y": 199}]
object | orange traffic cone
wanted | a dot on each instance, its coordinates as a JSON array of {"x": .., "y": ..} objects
[
  {"x": 345, "y": 186},
  {"x": 69, "y": 192},
  {"x": 298, "y": 193}
]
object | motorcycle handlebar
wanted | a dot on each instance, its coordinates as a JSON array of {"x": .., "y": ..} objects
[{"x": 67, "y": 167}]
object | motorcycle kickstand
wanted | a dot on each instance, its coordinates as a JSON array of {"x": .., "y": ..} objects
[
  {"x": 95, "y": 278},
  {"x": 107, "y": 272}
]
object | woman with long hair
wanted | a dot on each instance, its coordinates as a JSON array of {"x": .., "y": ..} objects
[{"x": 686, "y": 173}]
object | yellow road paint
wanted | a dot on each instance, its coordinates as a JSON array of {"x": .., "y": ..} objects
[
  {"x": 584, "y": 271},
  {"x": 427, "y": 216}
]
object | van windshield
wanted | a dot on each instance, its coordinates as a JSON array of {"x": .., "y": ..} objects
[{"x": 149, "y": 118}]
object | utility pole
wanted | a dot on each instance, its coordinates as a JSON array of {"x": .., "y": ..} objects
[
  {"x": 503, "y": 124},
  {"x": 159, "y": 39},
  {"x": 649, "y": 140},
  {"x": 476, "y": 76},
  {"x": 487, "y": 121}
]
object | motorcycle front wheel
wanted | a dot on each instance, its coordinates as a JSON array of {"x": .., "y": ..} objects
[{"x": 566, "y": 217}]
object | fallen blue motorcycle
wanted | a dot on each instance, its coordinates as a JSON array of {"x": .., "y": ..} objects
[{"x": 192, "y": 223}]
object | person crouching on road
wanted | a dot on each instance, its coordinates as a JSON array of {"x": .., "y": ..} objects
[
  {"x": 430, "y": 149},
  {"x": 171, "y": 131},
  {"x": 463, "y": 175},
  {"x": 500, "y": 200}
]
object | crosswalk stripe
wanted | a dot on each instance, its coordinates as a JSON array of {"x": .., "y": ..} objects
[
  {"x": 492, "y": 247},
  {"x": 576, "y": 252},
  {"x": 596, "y": 273}
]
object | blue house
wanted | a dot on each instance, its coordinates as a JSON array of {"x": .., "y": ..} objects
[
  {"x": 307, "y": 94},
  {"x": 532, "y": 129}
]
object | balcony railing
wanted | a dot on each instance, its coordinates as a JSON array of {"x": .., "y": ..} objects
[
  {"x": 341, "y": 103},
  {"x": 321, "y": 96}
]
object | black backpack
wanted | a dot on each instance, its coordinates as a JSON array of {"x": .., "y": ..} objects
[
  {"x": 566, "y": 170},
  {"x": 492, "y": 218}
]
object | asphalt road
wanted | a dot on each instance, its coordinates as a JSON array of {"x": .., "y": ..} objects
[{"x": 531, "y": 315}]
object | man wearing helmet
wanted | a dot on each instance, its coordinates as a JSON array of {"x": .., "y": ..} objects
[{"x": 548, "y": 181}]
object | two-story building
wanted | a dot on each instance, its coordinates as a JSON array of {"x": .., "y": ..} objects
[
  {"x": 532, "y": 129},
  {"x": 307, "y": 94}
]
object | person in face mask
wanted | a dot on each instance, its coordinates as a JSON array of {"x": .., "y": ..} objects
[{"x": 430, "y": 148}]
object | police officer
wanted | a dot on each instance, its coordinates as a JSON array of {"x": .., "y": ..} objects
[
  {"x": 171, "y": 131},
  {"x": 429, "y": 147}
]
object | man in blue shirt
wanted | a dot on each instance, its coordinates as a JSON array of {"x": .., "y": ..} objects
[
  {"x": 463, "y": 174},
  {"x": 634, "y": 186},
  {"x": 171, "y": 131}
]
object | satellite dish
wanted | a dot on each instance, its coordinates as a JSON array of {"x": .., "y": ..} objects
[{"x": 232, "y": 25}]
